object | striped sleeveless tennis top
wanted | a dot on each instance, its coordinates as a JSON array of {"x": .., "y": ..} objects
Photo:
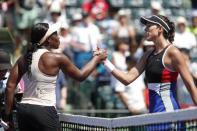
[
  {"x": 39, "y": 87},
  {"x": 161, "y": 84}
]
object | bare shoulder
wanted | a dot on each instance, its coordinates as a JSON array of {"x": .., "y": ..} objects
[
  {"x": 173, "y": 52},
  {"x": 52, "y": 55},
  {"x": 173, "y": 49},
  {"x": 55, "y": 57}
]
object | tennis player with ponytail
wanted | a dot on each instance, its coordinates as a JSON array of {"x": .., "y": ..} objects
[
  {"x": 161, "y": 65},
  {"x": 40, "y": 66}
]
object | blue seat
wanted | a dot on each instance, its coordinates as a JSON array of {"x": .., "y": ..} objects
[
  {"x": 75, "y": 3},
  {"x": 118, "y": 3},
  {"x": 72, "y": 10},
  {"x": 138, "y": 3},
  {"x": 172, "y": 3}
]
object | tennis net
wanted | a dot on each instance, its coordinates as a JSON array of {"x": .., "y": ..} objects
[{"x": 180, "y": 120}]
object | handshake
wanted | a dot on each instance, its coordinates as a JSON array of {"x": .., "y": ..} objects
[
  {"x": 102, "y": 53},
  {"x": 98, "y": 52}
]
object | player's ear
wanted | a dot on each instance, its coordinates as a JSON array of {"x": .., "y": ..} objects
[{"x": 160, "y": 29}]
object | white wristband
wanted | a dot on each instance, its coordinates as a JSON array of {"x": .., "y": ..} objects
[{"x": 110, "y": 67}]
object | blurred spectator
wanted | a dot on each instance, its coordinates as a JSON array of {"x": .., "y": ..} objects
[
  {"x": 125, "y": 31},
  {"x": 135, "y": 92},
  {"x": 65, "y": 40},
  {"x": 27, "y": 12},
  {"x": 193, "y": 27},
  {"x": 96, "y": 8},
  {"x": 55, "y": 15},
  {"x": 86, "y": 37},
  {"x": 7, "y": 15},
  {"x": 132, "y": 95},
  {"x": 119, "y": 60},
  {"x": 80, "y": 42},
  {"x": 156, "y": 8},
  {"x": 182, "y": 92},
  {"x": 183, "y": 38}
]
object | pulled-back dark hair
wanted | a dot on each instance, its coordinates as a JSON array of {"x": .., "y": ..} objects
[
  {"x": 37, "y": 32},
  {"x": 168, "y": 35}
]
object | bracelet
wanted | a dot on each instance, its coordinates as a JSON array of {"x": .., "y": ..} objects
[{"x": 110, "y": 67}]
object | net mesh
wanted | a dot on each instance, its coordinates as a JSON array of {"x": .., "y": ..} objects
[{"x": 180, "y": 120}]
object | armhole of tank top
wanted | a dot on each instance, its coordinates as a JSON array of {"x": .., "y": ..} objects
[{"x": 164, "y": 57}]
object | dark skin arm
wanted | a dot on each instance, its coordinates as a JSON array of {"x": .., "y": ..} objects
[
  {"x": 16, "y": 74},
  {"x": 50, "y": 64},
  {"x": 69, "y": 68}
]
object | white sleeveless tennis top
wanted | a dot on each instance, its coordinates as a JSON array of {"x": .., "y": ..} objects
[{"x": 39, "y": 87}]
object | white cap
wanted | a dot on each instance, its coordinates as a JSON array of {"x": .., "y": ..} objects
[
  {"x": 148, "y": 43},
  {"x": 181, "y": 20},
  {"x": 55, "y": 7},
  {"x": 64, "y": 25},
  {"x": 156, "y": 5},
  {"x": 52, "y": 28},
  {"x": 77, "y": 16},
  {"x": 194, "y": 13},
  {"x": 122, "y": 12}
]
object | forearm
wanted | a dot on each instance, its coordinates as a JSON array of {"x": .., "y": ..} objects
[
  {"x": 88, "y": 68},
  {"x": 9, "y": 98},
  {"x": 125, "y": 78}
]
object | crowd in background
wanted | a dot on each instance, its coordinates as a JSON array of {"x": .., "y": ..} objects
[{"x": 103, "y": 24}]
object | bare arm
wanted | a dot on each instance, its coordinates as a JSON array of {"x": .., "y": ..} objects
[
  {"x": 180, "y": 65},
  {"x": 127, "y": 78},
  {"x": 15, "y": 76},
  {"x": 68, "y": 67}
]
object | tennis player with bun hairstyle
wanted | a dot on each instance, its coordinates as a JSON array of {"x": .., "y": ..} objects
[
  {"x": 40, "y": 66},
  {"x": 162, "y": 64}
]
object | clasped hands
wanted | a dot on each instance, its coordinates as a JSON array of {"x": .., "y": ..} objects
[{"x": 102, "y": 53}]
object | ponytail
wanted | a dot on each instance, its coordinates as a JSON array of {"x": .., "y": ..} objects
[
  {"x": 170, "y": 34},
  {"x": 28, "y": 56},
  {"x": 37, "y": 32}
]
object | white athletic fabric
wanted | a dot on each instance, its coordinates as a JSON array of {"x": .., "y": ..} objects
[{"x": 39, "y": 87}]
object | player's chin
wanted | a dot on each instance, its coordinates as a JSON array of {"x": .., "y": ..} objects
[{"x": 149, "y": 38}]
